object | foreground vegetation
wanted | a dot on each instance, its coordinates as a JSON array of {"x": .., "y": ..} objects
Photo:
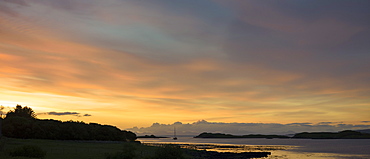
[{"x": 57, "y": 149}]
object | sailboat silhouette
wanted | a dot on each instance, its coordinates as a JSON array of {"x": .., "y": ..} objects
[{"x": 174, "y": 133}]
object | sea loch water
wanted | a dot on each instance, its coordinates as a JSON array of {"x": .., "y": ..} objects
[{"x": 286, "y": 148}]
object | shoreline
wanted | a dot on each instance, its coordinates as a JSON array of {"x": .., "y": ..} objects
[
  {"x": 321, "y": 148},
  {"x": 208, "y": 151}
]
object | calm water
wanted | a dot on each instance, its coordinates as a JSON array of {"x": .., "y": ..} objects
[{"x": 282, "y": 148}]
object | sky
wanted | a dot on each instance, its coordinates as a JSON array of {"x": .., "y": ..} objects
[{"x": 132, "y": 63}]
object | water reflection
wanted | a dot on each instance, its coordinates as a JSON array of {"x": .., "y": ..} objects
[
  {"x": 309, "y": 155},
  {"x": 280, "y": 149}
]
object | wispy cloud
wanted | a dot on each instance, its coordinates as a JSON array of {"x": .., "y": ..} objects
[
  {"x": 62, "y": 113},
  {"x": 65, "y": 113}
]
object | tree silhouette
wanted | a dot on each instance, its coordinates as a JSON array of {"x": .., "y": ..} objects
[
  {"x": 22, "y": 123},
  {"x": 1, "y": 111},
  {"x": 1, "y": 120},
  {"x": 20, "y": 111}
]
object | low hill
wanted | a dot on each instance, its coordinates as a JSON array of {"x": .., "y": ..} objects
[
  {"x": 220, "y": 135},
  {"x": 347, "y": 134},
  {"x": 151, "y": 136},
  {"x": 366, "y": 131}
]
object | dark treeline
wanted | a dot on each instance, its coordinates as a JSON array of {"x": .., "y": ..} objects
[{"x": 22, "y": 123}]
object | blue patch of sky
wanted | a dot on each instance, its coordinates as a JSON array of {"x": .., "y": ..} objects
[
  {"x": 206, "y": 10},
  {"x": 146, "y": 40}
]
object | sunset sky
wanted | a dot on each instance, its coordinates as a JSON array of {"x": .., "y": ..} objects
[{"x": 136, "y": 62}]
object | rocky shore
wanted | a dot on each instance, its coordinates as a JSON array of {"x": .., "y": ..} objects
[
  {"x": 227, "y": 155},
  {"x": 212, "y": 151}
]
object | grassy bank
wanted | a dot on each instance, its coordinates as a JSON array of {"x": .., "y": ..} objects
[{"x": 74, "y": 149}]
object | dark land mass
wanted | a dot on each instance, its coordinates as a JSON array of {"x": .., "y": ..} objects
[
  {"x": 347, "y": 134},
  {"x": 220, "y": 135},
  {"x": 366, "y": 131},
  {"x": 151, "y": 136}
]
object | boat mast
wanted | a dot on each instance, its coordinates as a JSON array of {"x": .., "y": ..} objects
[{"x": 174, "y": 133}]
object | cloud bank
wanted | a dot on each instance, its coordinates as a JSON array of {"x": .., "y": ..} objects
[{"x": 244, "y": 128}]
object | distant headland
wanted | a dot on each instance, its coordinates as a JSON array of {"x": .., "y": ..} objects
[
  {"x": 220, "y": 135},
  {"x": 346, "y": 134},
  {"x": 151, "y": 136}
]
